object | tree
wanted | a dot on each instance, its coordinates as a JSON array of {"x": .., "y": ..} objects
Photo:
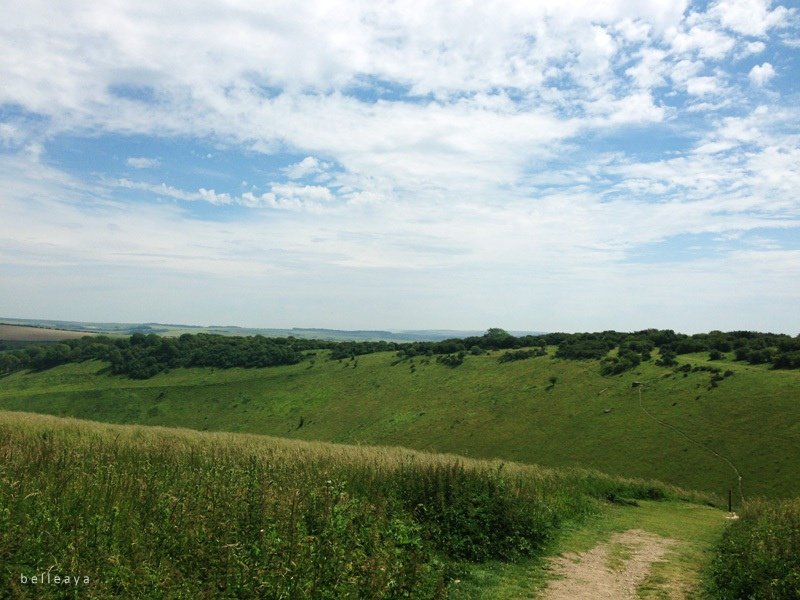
[{"x": 9, "y": 363}]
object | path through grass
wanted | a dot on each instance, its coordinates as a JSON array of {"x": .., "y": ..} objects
[{"x": 695, "y": 529}]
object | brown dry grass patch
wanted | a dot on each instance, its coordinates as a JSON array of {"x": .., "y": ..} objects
[{"x": 27, "y": 333}]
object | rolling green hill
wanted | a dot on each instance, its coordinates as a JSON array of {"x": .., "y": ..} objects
[{"x": 481, "y": 408}]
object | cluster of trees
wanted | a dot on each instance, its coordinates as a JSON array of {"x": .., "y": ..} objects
[
  {"x": 494, "y": 339},
  {"x": 353, "y": 349},
  {"x": 142, "y": 356},
  {"x": 780, "y": 350}
]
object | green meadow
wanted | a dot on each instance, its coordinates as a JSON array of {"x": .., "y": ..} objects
[
  {"x": 108, "y": 511},
  {"x": 541, "y": 410}
]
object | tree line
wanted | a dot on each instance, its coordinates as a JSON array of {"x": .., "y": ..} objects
[{"x": 141, "y": 356}]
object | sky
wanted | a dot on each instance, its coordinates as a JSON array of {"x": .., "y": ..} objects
[{"x": 548, "y": 166}]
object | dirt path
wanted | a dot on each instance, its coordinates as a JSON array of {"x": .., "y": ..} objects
[{"x": 610, "y": 571}]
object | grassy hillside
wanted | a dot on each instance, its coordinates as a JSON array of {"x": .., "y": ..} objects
[
  {"x": 135, "y": 512},
  {"x": 480, "y": 409}
]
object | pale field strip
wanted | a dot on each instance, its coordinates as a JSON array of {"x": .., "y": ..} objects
[{"x": 24, "y": 333}]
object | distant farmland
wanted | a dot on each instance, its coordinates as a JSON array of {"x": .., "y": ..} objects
[{"x": 24, "y": 333}]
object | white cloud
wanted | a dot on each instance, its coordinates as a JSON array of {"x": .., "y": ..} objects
[
  {"x": 685, "y": 69},
  {"x": 636, "y": 108},
  {"x": 308, "y": 166},
  {"x": 700, "y": 86},
  {"x": 761, "y": 74},
  {"x": 313, "y": 193},
  {"x": 10, "y": 134},
  {"x": 161, "y": 189},
  {"x": 141, "y": 162},
  {"x": 651, "y": 69},
  {"x": 213, "y": 197},
  {"x": 633, "y": 31},
  {"x": 281, "y": 195},
  {"x": 708, "y": 43},
  {"x": 750, "y": 17},
  {"x": 754, "y": 48}
]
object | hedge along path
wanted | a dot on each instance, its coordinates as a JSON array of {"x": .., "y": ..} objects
[{"x": 603, "y": 574}]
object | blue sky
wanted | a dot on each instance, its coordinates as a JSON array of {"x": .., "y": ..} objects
[{"x": 549, "y": 166}]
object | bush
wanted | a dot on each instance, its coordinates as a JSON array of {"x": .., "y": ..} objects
[
  {"x": 759, "y": 555},
  {"x": 667, "y": 359},
  {"x": 451, "y": 360},
  {"x": 787, "y": 360},
  {"x": 476, "y": 515},
  {"x": 520, "y": 355},
  {"x": 584, "y": 348},
  {"x": 614, "y": 365}
]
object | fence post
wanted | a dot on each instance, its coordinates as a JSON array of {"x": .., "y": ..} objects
[{"x": 730, "y": 498}]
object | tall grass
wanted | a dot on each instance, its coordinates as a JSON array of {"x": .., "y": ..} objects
[
  {"x": 759, "y": 554},
  {"x": 152, "y": 512}
]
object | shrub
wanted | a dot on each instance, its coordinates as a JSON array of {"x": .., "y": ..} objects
[
  {"x": 451, "y": 360},
  {"x": 614, "y": 365},
  {"x": 787, "y": 360},
  {"x": 667, "y": 359},
  {"x": 520, "y": 354},
  {"x": 759, "y": 554}
]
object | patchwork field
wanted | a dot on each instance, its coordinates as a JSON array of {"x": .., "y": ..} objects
[{"x": 24, "y": 333}]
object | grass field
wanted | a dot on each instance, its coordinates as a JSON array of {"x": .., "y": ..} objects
[
  {"x": 480, "y": 409},
  {"x": 137, "y": 512}
]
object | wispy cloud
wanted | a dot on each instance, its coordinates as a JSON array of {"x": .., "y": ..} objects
[
  {"x": 141, "y": 162},
  {"x": 513, "y": 149},
  {"x": 308, "y": 166}
]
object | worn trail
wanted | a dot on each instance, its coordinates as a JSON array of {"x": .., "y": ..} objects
[{"x": 611, "y": 570}]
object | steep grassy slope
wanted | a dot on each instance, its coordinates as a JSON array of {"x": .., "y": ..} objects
[{"x": 480, "y": 409}]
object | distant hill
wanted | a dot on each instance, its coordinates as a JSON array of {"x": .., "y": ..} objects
[{"x": 174, "y": 329}]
